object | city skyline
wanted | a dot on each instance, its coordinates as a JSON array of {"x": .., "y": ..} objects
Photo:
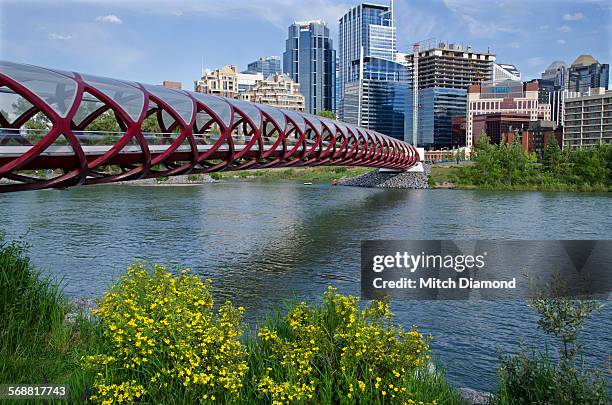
[{"x": 129, "y": 35}]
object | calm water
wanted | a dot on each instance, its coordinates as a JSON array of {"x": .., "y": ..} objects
[{"x": 264, "y": 243}]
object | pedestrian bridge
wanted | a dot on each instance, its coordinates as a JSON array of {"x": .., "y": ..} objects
[{"x": 61, "y": 129}]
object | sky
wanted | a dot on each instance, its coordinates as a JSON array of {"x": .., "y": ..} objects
[{"x": 155, "y": 40}]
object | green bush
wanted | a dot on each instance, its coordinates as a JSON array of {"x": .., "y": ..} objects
[
  {"x": 533, "y": 378},
  {"x": 337, "y": 353},
  {"x": 216, "y": 175},
  {"x": 508, "y": 167},
  {"x": 165, "y": 343}
]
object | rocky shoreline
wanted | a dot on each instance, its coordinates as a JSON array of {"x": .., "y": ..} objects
[
  {"x": 390, "y": 179},
  {"x": 171, "y": 181}
]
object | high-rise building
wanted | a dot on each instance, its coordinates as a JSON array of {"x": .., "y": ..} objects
[
  {"x": 558, "y": 73},
  {"x": 310, "y": 61},
  {"x": 437, "y": 107},
  {"x": 444, "y": 73},
  {"x": 246, "y": 81},
  {"x": 373, "y": 85},
  {"x": 226, "y": 82},
  {"x": 554, "y": 94},
  {"x": 587, "y": 73},
  {"x": 267, "y": 66},
  {"x": 505, "y": 71},
  {"x": 221, "y": 82},
  {"x": 588, "y": 119},
  {"x": 277, "y": 90},
  {"x": 504, "y": 98},
  {"x": 450, "y": 65}
]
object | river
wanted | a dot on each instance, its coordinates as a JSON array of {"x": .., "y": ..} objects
[{"x": 265, "y": 243}]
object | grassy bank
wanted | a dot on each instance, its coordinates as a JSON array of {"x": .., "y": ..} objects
[
  {"x": 36, "y": 344},
  {"x": 508, "y": 167},
  {"x": 159, "y": 337},
  {"x": 324, "y": 174}
]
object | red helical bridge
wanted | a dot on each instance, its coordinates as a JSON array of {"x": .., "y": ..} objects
[{"x": 61, "y": 129}]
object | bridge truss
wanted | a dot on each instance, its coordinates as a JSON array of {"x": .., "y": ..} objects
[{"x": 51, "y": 135}]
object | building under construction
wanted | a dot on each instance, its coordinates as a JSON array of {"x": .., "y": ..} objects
[
  {"x": 443, "y": 74},
  {"x": 452, "y": 66}
]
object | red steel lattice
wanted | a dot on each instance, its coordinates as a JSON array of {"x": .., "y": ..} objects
[{"x": 199, "y": 133}]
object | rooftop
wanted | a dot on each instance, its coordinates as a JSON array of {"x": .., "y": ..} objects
[{"x": 584, "y": 60}]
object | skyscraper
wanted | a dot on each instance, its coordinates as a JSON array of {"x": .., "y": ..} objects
[
  {"x": 558, "y": 73},
  {"x": 267, "y": 66},
  {"x": 505, "y": 71},
  {"x": 587, "y": 73},
  {"x": 310, "y": 61},
  {"x": 373, "y": 85},
  {"x": 445, "y": 70}
]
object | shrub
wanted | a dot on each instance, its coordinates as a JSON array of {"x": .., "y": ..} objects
[
  {"x": 165, "y": 343},
  {"x": 531, "y": 377},
  {"x": 194, "y": 177},
  {"x": 215, "y": 175},
  {"x": 336, "y": 353}
]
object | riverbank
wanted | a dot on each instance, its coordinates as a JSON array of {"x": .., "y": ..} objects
[
  {"x": 507, "y": 167},
  {"x": 158, "y": 337},
  {"x": 326, "y": 174},
  {"x": 452, "y": 176}
]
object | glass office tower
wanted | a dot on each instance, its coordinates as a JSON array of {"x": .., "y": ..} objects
[
  {"x": 310, "y": 61},
  {"x": 587, "y": 73},
  {"x": 267, "y": 66},
  {"x": 373, "y": 86},
  {"x": 437, "y": 106}
]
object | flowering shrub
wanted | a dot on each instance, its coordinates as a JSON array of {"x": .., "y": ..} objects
[
  {"x": 338, "y": 353},
  {"x": 164, "y": 342}
]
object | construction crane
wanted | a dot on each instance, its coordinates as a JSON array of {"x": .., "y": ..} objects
[{"x": 415, "y": 92}]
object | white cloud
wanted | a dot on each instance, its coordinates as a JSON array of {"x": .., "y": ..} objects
[
  {"x": 514, "y": 45},
  {"x": 280, "y": 13},
  {"x": 60, "y": 37},
  {"x": 478, "y": 28},
  {"x": 110, "y": 18},
  {"x": 544, "y": 27},
  {"x": 565, "y": 28},
  {"x": 573, "y": 17},
  {"x": 536, "y": 61},
  {"x": 561, "y": 41}
]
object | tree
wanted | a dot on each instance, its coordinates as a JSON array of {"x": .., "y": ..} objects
[
  {"x": 39, "y": 121},
  {"x": 327, "y": 114},
  {"x": 552, "y": 155}
]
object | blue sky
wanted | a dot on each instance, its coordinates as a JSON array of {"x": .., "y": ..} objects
[{"x": 155, "y": 40}]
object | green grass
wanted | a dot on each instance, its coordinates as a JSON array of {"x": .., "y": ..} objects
[
  {"x": 36, "y": 344},
  {"x": 311, "y": 174},
  {"x": 39, "y": 345}
]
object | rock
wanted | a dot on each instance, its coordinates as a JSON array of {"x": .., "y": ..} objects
[
  {"x": 378, "y": 179},
  {"x": 475, "y": 397},
  {"x": 81, "y": 306},
  {"x": 173, "y": 180}
]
